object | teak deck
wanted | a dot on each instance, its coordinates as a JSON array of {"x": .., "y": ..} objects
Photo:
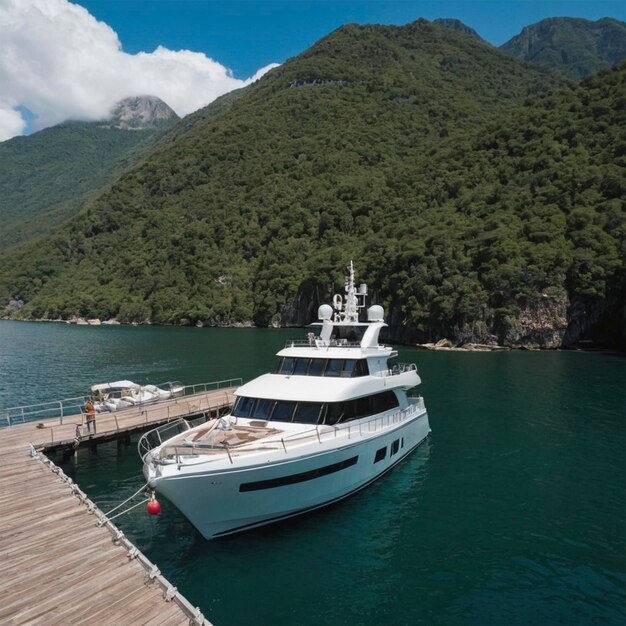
[{"x": 58, "y": 565}]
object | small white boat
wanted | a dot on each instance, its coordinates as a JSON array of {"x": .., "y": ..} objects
[
  {"x": 333, "y": 417},
  {"x": 123, "y": 394}
]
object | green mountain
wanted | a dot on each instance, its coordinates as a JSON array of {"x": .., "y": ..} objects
[
  {"x": 454, "y": 24},
  {"x": 189, "y": 122},
  {"x": 480, "y": 199},
  {"x": 574, "y": 47},
  {"x": 46, "y": 177}
]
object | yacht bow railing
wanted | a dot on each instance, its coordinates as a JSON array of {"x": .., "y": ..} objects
[{"x": 155, "y": 437}]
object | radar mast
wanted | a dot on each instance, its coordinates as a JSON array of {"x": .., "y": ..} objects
[{"x": 348, "y": 311}]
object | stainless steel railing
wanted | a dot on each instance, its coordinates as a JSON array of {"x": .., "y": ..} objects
[
  {"x": 42, "y": 410},
  {"x": 155, "y": 437},
  {"x": 319, "y": 343},
  {"x": 320, "y": 432},
  {"x": 397, "y": 368}
]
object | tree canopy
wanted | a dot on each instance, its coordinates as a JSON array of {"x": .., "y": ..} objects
[{"x": 468, "y": 188}]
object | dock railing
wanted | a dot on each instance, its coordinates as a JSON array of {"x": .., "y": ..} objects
[
  {"x": 42, "y": 410},
  {"x": 72, "y": 407}
]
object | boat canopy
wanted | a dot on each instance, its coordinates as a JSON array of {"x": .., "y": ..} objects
[{"x": 120, "y": 384}]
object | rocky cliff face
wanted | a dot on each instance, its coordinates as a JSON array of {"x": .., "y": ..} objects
[
  {"x": 140, "y": 113},
  {"x": 541, "y": 323},
  {"x": 546, "y": 322},
  {"x": 302, "y": 310}
]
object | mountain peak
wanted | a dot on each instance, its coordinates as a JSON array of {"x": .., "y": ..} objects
[
  {"x": 572, "y": 46},
  {"x": 140, "y": 113},
  {"x": 454, "y": 24}
]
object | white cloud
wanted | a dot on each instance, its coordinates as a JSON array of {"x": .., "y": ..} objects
[
  {"x": 11, "y": 123},
  {"x": 58, "y": 61}
]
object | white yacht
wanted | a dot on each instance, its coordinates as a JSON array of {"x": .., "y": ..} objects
[{"x": 333, "y": 417}]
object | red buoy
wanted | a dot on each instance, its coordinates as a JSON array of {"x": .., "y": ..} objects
[{"x": 154, "y": 508}]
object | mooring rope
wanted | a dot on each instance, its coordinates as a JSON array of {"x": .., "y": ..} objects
[
  {"x": 106, "y": 518},
  {"x": 107, "y": 515}
]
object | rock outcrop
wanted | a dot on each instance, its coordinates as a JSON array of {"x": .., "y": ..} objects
[
  {"x": 140, "y": 113},
  {"x": 541, "y": 323},
  {"x": 13, "y": 306}
]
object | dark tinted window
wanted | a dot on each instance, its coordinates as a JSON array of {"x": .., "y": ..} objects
[
  {"x": 360, "y": 369},
  {"x": 243, "y": 407},
  {"x": 262, "y": 409},
  {"x": 317, "y": 367},
  {"x": 384, "y": 401},
  {"x": 314, "y": 412},
  {"x": 394, "y": 446},
  {"x": 348, "y": 367},
  {"x": 321, "y": 367},
  {"x": 301, "y": 367},
  {"x": 380, "y": 454},
  {"x": 360, "y": 407},
  {"x": 286, "y": 365},
  {"x": 283, "y": 412},
  {"x": 307, "y": 412},
  {"x": 334, "y": 412},
  {"x": 349, "y": 410},
  {"x": 334, "y": 367}
]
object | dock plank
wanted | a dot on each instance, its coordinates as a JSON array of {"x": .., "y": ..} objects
[
  {"x": 77, "y": 594},
  {"x": 41, "y": 598},
  {"x": 58, "y": 565}
]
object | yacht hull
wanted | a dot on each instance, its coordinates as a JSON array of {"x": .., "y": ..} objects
[{"x": 223, "y": 502}]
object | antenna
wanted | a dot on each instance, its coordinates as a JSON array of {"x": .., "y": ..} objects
[{"x": 348, "y": 310}]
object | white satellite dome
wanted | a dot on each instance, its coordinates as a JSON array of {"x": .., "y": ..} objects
[
  {"x": 375, "y": 313},
  {"x": 325, "y": 312}
]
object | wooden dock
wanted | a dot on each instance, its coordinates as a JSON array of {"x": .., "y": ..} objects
[{"x": 62, "y": 562}]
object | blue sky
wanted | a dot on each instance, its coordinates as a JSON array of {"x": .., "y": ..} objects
[{"x": 244, "y": 35}]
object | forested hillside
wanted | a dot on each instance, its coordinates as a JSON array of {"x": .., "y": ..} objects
[
  {"x": 574, "y": 47},
  {"x": 478, "y": 197},
  {"x": 46, "y": 177}
]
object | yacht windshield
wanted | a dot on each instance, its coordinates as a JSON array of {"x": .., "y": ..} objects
[
  {"x": 314, "y": 412},
  {"x": 305, "y": 366}
]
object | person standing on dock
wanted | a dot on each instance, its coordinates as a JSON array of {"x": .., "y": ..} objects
[{"x": 90, "y": 415}]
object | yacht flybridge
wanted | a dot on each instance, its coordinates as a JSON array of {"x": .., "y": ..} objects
[{"x": 332, "y": 418}]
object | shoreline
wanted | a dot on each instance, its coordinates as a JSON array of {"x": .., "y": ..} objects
[{"x": 443, "y": 345}]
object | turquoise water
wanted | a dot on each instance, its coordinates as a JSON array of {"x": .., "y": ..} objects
[{"x": 513, "y": 512}]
